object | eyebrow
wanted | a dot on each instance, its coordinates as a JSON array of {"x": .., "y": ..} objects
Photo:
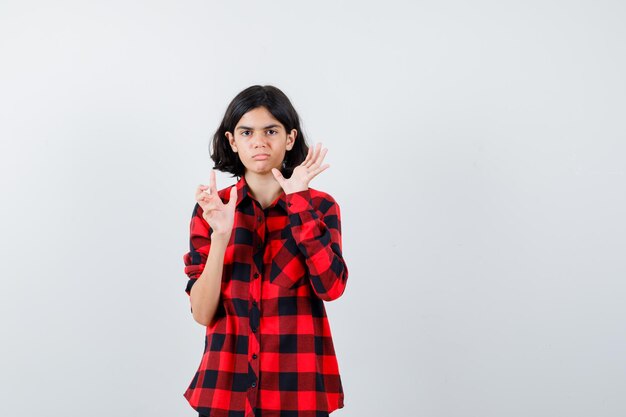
[{"x": 250, "y": 128}]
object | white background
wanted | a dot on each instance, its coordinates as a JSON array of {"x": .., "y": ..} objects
[{"x": 477, "y": 152}]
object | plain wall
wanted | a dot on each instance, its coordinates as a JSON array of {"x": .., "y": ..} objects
[{"x": 476, "y": 149}]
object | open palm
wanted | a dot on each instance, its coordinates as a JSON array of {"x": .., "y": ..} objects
[{"x": 303, "y": 173}]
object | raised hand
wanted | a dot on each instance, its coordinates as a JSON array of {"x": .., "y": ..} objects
[
  {"x": 303, "y": 173},
  {"x": 220, "y": 216}
]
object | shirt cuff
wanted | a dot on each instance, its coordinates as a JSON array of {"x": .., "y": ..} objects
[{"x": 299, "y": 201}]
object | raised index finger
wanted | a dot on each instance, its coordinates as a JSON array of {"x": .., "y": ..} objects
[{"x": 212, "y": 186}]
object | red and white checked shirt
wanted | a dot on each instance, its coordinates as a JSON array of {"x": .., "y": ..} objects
[{"x": 269, "y": 350}]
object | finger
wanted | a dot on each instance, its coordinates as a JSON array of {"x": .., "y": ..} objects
[
  {"x": 312, "y": 157},
  {"x": 316, "y": 152},
  {"x": 204, "y": 196},
  {"x": 204, "y": 200},
  {"x": 308, "y": 155},
  {"x": 200, "y": 189},
  {"x": 201, "y": 192},
  {"x": 200, "y": 198},
  {"x": 213, "y": 186},
  {"x": 320, "y": 157},
  {"x": 212, "y": 204},
  {"x": 316, "y": 171}
]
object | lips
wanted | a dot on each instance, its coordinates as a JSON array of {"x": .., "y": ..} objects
[{"x": 260, "y": 157}]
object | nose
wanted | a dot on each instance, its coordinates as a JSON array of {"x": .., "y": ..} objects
[{"x": 258, "y": 140}]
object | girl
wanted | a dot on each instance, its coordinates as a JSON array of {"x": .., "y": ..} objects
[{"x": 264, "y": 255}]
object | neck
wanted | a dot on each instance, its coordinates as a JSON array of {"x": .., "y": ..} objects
[{"x": 263, "y": 187}]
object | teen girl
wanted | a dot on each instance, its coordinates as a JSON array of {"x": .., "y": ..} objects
[{"x": 264, "y": 255}]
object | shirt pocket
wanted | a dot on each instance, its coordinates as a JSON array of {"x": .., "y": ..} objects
[{"x": 287, "y": 268}]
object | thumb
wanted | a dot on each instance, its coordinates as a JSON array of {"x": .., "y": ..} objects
[
  {"x": 233, "y": 196},
  {"x": 278, "y": 175}
]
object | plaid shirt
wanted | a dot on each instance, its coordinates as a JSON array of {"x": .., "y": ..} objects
[{"x": 269, "y": 350}]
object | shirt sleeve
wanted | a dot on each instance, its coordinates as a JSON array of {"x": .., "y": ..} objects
[
  {"x": 199, "y": 245},
  {"x": 318, "y": 237}
]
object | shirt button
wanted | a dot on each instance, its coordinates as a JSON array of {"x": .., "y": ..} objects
[
  {"x": 256, "y": 275},
  {"x": 254, "y": 330},
  {"x": 254, "y": 356},
  {"x": 253, "y": 384},
  {"x": 259, "y": 218},
  {"x": 254, "y": 303}
]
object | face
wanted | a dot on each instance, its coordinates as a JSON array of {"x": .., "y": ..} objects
[{"x": 261, "y": 141}]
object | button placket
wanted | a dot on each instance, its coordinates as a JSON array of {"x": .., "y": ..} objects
[{"x": 255, "y": 294}]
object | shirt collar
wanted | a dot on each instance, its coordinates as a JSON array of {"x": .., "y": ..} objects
[{"x": 243, "y": 193}]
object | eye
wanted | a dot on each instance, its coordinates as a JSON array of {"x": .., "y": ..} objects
[
  {"x": 272, "y": 130},
  {"x": 243, "y": 133}
]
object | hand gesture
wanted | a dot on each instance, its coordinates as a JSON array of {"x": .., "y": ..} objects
[
  {"x": 303, "y": 173},
  {"x": 218, "y": 215}
]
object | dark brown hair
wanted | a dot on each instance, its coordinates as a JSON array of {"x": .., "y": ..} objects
[{"x": 277, "y": 103}]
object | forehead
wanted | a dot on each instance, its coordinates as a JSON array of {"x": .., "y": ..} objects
[{"x": 258, "y": 118}]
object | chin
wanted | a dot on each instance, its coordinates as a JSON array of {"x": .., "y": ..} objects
[{"x": 261, "y": 170}]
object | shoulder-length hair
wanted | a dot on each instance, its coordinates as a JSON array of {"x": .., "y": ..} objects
[{"x": 277, "y": 103}]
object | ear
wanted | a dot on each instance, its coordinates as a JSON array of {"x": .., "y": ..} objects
[
  {"x": 231, "y": 140},
  {"x": 291, "y": 139}
]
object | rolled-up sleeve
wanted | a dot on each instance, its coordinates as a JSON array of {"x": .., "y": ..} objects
[
  {"x": 318, "y": 237},
  {"x": 199, "y": 245}
]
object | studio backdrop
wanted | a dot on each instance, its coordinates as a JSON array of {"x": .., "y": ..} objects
[{"x": 476, "y": 150}]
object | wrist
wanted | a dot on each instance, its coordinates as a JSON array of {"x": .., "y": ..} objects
[
  {"x": 217, "y": 237},
  {"x": 297, "y": 190}
]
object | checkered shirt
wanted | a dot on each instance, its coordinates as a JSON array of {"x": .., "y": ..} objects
[{"x": 269, "y": 350}]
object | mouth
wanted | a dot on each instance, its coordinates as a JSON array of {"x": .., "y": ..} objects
[{"x": 260, "y": 157}]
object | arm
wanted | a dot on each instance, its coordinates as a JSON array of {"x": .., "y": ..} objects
[
  {"x": 319, "y": 240},
  {"x": 204, "y": 265},
  {"x": 210, "y": 230}
]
